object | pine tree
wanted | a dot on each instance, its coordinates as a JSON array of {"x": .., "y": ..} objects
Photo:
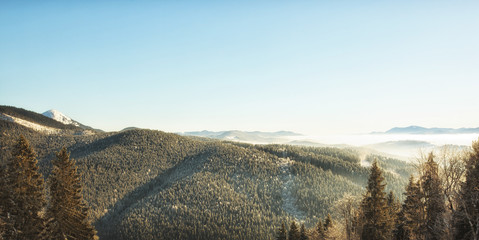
[
  {"x": 393, "y": 209},
  {"x": 357, "y": 222},
  {"x": 67, "y": 210},
  {"x": 466, "y": 218},
  {"x": 282, "y": 235},
  {"x": 374, "y": 208},
  {"x": 303, "y": 235},
  {"x": 400, "y": 232},
  {"x": 434, "y": 226},
  {"x": 27, "y": 197},
  {"x": 393, "y": 204},
  {"x": 320, "y": 229},
  {"x": 411, "y": 214},
  {"x": 293, "y": 232},
  {"x": 328, "y": 222}
]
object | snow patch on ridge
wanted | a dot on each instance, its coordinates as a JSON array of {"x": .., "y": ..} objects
[
  {"x": 31, "y": 125},
  {"x": 60, "y": 117}
]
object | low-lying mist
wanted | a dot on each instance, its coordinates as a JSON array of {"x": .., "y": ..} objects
[
  {"x": 368, "y": 139},
  {"x": 403, "y": 146}
]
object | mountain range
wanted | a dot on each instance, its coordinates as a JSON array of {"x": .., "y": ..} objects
[
  {"x": 147, "y": 184},
  {"x": 423, "y": 130},
  {"x": 244, "y": 136},
  {"x": 403, "y": 149}
]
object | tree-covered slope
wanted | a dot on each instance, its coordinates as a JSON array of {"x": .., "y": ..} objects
[{"x": 144, "y": 184}]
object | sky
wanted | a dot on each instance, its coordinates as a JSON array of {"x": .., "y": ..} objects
[{"x": 313, "y": 67}]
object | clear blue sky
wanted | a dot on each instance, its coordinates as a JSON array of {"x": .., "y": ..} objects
[{"x": 315, "y": 67}]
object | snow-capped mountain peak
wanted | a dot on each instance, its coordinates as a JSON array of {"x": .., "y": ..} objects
[{"x": 60, "y": 117}]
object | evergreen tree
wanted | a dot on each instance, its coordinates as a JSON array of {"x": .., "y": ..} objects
[
  {"x": 411, "y": 214},
  {"x": 303, "y": 235},
  {"x": 374, "y": 207},
  {"x": 320, "y": 229},
  {"x": 67, "y": 210},
  {"x": 466, "y": 218},
  {"x": 393, "y": 209},
  {"x": 26, "y": 187},
  {"x": 357, "y": 223},
  {"x": 293, "y": 232},
  {"x": 393, "y": 204},
  {"x": 328, "y": 222},
  {"x": 282, "y": 235},
  {"x": 434, "y": 225},
  {"x": 399, "y": 232}
]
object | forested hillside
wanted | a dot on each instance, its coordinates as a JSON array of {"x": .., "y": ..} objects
[{"x": 144, "y": 184}]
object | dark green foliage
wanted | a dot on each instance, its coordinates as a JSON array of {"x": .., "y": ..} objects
[
  {"x": 320, "y": 229},
  {"x": 410, "y": 218},
  {"x": 376, "y": 225},
  {"x": 317, "y": 190},
  {"x": 328, "y": 222},
  {"x": 395, "y": 172},
  {"x": 282, "y": 233},
  {"x": 337, "y": 171},
  {"x": 341, "y": 161},
  {"x": 205, "y": 206},
  {"x": 302, "y": 233},
  {"x": 67, "y": 209},
  {"x": 400, "y": 232},
  {"x": 466, "y": 218},
  {"x": 324, "y": 229},
  {"x": 27, "y": 197},
  {"x": 394, "y": 207},
  {"x": 294, "y": 233},
  {"x": 434, "y": 202}
]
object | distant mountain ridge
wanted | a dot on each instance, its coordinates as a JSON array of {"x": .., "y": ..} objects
[
  {"x": 422, "y": 130},
  {"x": 244, "y": 136}
]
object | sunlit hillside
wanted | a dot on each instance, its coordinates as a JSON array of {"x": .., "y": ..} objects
[{"x": 151, "y": 184}]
